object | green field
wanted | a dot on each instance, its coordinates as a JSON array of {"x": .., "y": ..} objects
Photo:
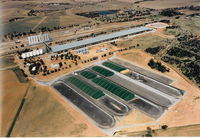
[
  {"x": 114, "y": 88},
  {"x": 113, "y": 66},
  {"x": 86, "y": 88},
  {"x": 88, "y": 74},
  {"x": 103, "y": 71}
]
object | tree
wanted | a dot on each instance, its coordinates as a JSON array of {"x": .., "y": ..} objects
[
  {"x": 149, "y": 132},
  {"x": 164, "y": 127},
  {"x": 60, "y": 64}
]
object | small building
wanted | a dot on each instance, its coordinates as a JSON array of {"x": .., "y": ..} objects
[
  {"x": 31, "y": 54},
  {"x": 40, "y": 51},
  {"x": 34, "y": 53},
  {"x": 27, "y": 54}
]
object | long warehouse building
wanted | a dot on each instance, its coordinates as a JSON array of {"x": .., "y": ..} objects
[{"x": 99, "y": 39}]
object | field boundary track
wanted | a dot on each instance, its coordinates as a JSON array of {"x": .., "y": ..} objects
[
  {"x": 43, "y": 19},
  {"x": 140, "y": 133},
  {"x": 18, "y": 112}
]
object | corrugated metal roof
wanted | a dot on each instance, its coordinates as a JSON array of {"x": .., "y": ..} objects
[{"x": 99, "y": 39}]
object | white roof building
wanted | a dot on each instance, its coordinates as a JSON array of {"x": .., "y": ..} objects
[
  {"x": 23, "y": 55},
  {"x": 27, "y": 54},
  {"x": 38, "y": 39},
  {"x": 32, "y": 53},
  {"x": 40, "y": 51}
]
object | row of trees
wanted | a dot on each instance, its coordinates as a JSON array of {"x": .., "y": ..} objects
[
  {"x": 48, "y": 72},
  {"x": 15, "y": 19},
  {"x": 174, "y": 11},
  {"x": 158, "y": 66},
  {"x": 154, "y": 50},
  {"x": 151, "y": 132},
  {"x": 171, "y": 60},
  {"x": 64, "y": 66},
  {"x": 128, "y": 48},
  {"x": 170, "y": 12},
  {"x": 67, "y": 56},
  {"x": 178, "y": 52},
  {"x": 14, "y": 35},
  {"x": 127, "y": 15}
]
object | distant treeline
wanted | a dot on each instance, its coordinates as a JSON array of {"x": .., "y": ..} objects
[
  {"x": 15, "y": 19},
  {"x": 173, "y": 11}
]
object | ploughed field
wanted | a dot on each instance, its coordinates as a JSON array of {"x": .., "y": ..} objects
[{"x": 102, "y": 92}]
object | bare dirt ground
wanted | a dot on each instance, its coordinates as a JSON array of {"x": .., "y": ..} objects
[
  {"x": 46, "y": 114},
  {"x": 134, "y": 120}
]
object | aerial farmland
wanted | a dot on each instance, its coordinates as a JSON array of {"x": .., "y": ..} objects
[{"x": 97, "y": 68}]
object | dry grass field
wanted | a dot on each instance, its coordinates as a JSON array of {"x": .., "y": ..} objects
[
  {"x": 65, "y": 15},
  {"x": 183, "y": 131},
  {"x": 7, "y": 61},
  {"x": 145, "y": 41},
  {"x": 162, "y": 4},
  {"x": 46, "y": 114},
  {"x": 12, "y": 92}
]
